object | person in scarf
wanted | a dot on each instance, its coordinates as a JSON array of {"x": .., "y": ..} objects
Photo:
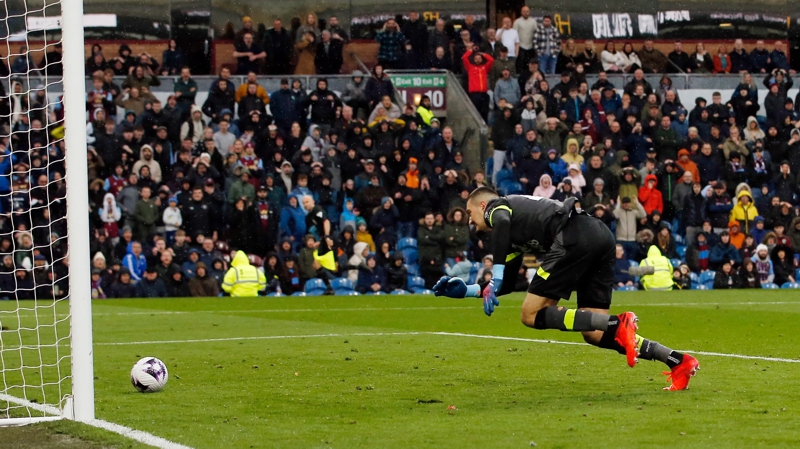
[
  {"x": 110, "y": 214},
  {"x": 697, "y": 255}
]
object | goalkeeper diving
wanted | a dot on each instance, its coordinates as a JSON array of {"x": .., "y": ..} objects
[{"x": 578, "y": 255}]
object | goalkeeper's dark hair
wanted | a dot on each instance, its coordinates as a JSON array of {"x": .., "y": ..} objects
[{"x": 482, "y": 193}]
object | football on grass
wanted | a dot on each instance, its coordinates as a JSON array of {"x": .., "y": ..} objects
[{"x": 149, "y": 375}]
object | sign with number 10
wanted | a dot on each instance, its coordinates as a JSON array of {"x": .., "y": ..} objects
[{"x": 412, "y": 87}]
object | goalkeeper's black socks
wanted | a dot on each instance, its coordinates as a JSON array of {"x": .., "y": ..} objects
[
  {"x": 571, "y": 320},
  {"x": 651, "y": 350}
]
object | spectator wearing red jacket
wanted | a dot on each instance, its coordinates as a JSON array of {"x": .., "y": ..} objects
[
  {"x": 477, "y": 66},
  {"x": 650, "y": 196}
]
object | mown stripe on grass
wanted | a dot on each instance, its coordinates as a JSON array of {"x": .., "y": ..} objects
[
  {"x": 450, "y": 334},
  {"x": 382, "y": 309}
]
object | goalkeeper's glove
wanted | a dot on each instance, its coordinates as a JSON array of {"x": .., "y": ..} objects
[
  {"x": 497, "y": 277},
  {"x": 489, "y": 298},
  {"x": 450, "y": 287}
]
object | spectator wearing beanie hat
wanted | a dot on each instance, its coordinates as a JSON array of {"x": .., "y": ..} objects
[
  {"x": 763, "y": 263},
  {"x": 687, "y": 164},
  {"x": 172, "y": 220},
  {"x": 363, "y": 235}
]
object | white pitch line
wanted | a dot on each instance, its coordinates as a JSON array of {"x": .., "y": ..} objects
[
  {"x": 138, "y": 435},
  {"x": 264, "y": 337},
  {"x": 450, "y": 334}
]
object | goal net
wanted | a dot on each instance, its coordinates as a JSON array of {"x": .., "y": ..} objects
[{"x": 41, "y": 299}]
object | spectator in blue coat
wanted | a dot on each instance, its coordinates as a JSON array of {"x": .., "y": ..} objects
[
  {"x": 135, "y": 261},
  {"x": 6, "y": 163},
  {"x": 288, "y": 105},
  {"x": 293, "y": 222},
  {"x": 371, "y": 277},
  {"x": 558, "y": 168},
  {"x": 189, "y": 266},
  {"x": 723, "y": 252}
]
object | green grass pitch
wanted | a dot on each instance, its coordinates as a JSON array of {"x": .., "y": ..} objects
[{"x": 413, "y": 372}]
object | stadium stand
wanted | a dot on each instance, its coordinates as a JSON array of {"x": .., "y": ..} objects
[{"x": 177, "y": 161}]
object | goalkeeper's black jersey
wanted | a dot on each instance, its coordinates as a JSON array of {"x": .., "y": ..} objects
[{"x": 524, "y": 224}]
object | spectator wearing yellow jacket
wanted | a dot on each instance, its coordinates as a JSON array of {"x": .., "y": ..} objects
[
  {"x": 661, "y": 279},
  {"x": 744, "y": 211},
  {"x": 243, "y": 279},
  {"x": 261, "y": 93}
]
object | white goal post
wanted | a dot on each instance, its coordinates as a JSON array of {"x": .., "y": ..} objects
[
  {"x": 58, "y": 382},
  {"x": 80, "y": 298}
]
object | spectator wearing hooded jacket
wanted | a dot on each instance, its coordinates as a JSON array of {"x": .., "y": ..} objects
[
  {"x": 293, "y": 222},
  {"x": 194, "y": 127},
  {"x": 135, "y": 261},
  {"x": 383, "y": 222},
  {"x": 650, "y": 196},
  {"x": 744, "y": 212},
  {"x": 111, "y": 214},
  {"x": 371, "y": 277},
  {"x": 396, "y": 273},
  {"x": 123, "y": 287}
]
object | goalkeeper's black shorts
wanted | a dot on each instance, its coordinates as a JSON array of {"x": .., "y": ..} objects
[{"x": 580, "y": 260}]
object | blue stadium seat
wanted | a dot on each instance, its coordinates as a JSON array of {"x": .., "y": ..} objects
[
  {"x": 681, "y": 250},
  {"x": 346, "y": 293},
  {"x": 707, "y": 277},
  {"x": 400, "y": 292},
  {"x": 415, "y": 282},
  {"x": 797, "y": 274},
  {"x": 628, "y": 288},
  {"x": 791, "y": 285},
  {"x": 694, "y": 277},
  {"x": 413, "y": 269},
  {"x": 699, "y": 287},
  {"x": 378, "y": 293},
  {"x": 473, "y": 272},
  {"x": 299, "y": 294},
  {"x": 675, "y": 263},
  {"x": 423, "y": 291},
  {"x": 490, "y": 167},
  {"x": 678, "y": 239},
  {"x": 339, "y": 284},
  {"x": 510, "y": 187},
  {"x": 503, "y": 175},
  {"x": 633, "y": 263},
  {"x": 769, "y": 286},
  {"x": 314, "y": 287},
  {"x": 407, "y": 242},
  {"x": 275, "y": 294},
  {"x": 410, "y": 256}
]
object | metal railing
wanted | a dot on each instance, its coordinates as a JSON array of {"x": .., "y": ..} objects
[
  {"x": 338, "y": 82},
  {"x": 467, "y": 124}
]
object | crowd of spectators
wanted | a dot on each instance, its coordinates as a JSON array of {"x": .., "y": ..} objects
[
  {"x": 175, "y": 188},
  {"x": 713, "y": 185}
]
